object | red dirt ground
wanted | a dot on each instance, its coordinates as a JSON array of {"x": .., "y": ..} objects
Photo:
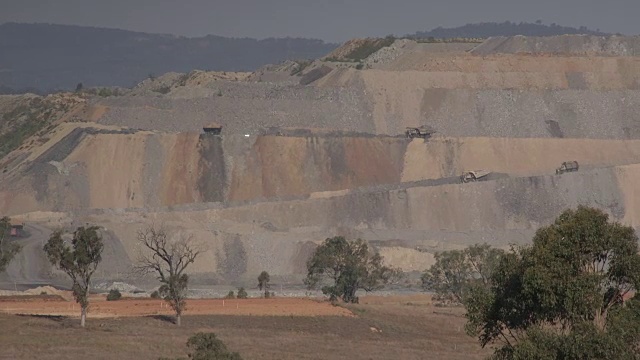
[{"x": 142, "y": 307}]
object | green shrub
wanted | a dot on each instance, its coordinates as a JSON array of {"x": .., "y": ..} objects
[
  {"x": 369, "y": 47},
  {"x": 114, "y": 295},
  {"x": 206, "y": 346},
  {"x": 302, "y": 64},
  {"x": 155, "y": 295},
  {"x": 182, "y": 80},
  {"x": 230, "y": 295},
  {"x": 242, "y": 293},
  {"x": 105, "y": 92},
  {"x": 163, "y": 90},
  {"x": 22, "y": 122}
]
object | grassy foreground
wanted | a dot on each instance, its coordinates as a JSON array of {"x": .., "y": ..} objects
[{"x": 384, "y": 328}]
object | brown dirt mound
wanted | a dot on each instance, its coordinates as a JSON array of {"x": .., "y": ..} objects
[{"x": 48, "y": 290}]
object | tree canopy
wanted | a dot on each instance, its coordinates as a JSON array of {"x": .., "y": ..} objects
[
  {"x": 563, "y": 297},
  {"x": 263, "y": 283},
  {"x": 79, "y": 261},
  {"x": 8, "y": 250},
  {"x": 343, "y": 267},
  {"x": 207, "y": 346},
  {"x": 456, "y": 272}
]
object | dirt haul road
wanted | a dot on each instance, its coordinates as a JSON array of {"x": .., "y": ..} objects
[{"x": 30, "y": 267}]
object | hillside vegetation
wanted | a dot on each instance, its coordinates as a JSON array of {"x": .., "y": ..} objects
[
  {"x": 507, "y": 28},
  {"x": 24, "y": 116},
  {"x": 359, "y": 49}
]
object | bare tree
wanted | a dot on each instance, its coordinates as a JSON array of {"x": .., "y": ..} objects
[
  {"x": 168, "y": 259},
  {"x": 79, "y": 261}
]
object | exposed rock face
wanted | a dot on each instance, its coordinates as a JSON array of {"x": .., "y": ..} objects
[{"x": 93, "y": 168}]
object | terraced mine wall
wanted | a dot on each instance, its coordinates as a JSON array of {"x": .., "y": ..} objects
[
  {"x": 90, "y": 168},
  {"x": 460, "y": 95},
  {"x": 278, "y": 235},
  {"x": 258, "y": 201},
  {"x": 98, "y": 168},
  {"x": 504, "y": 96},
  {"x": 563, "y": 44},
  {"x": 243, "y": 108}
]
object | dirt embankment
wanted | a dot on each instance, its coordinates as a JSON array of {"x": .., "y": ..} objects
[
  {"x": 506, "y": 95},
  {"x": 243, "y": 108},
  {"x": 434, "y": 218},
  {"x": 446, "y": 157},
  {"x": 563, "y": 44},
  {"x": 523, "y": 72},
  {"x": 295, "y": 166},
  {"x": 103, "y": 168},
  {"x": 459, "y": 94},
  {"x": 22, "y": 117},
  {"x": 100, "y": 168}
]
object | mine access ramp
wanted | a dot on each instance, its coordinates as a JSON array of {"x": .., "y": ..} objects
[{"x": 423, "y": 132}]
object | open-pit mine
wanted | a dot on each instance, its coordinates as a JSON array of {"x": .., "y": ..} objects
[{"x": 329, "y": 149}]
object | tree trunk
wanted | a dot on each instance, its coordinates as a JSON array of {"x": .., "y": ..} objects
[
  {"x": 83, "y": 315},
  {"x": 178, "y": 319}
]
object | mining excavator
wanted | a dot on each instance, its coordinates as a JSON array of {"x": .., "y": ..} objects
[
  {"x": 474, "y": 175},
  {"x": 213, "y": 129},
  {"x": 423, "y": 131}
]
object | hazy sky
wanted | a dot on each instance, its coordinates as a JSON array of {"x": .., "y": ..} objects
[{"x": 333, "y": 20}]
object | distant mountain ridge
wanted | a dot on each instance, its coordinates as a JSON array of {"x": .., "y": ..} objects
[
  {"x": 507, "y": 28},
  {"x": 47, "y": 57}
]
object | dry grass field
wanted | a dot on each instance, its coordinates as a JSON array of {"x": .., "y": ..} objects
[{"x": 378, "y": 328}]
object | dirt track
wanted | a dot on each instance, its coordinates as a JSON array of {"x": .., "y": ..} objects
[{"x": 100, "y": 308}]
